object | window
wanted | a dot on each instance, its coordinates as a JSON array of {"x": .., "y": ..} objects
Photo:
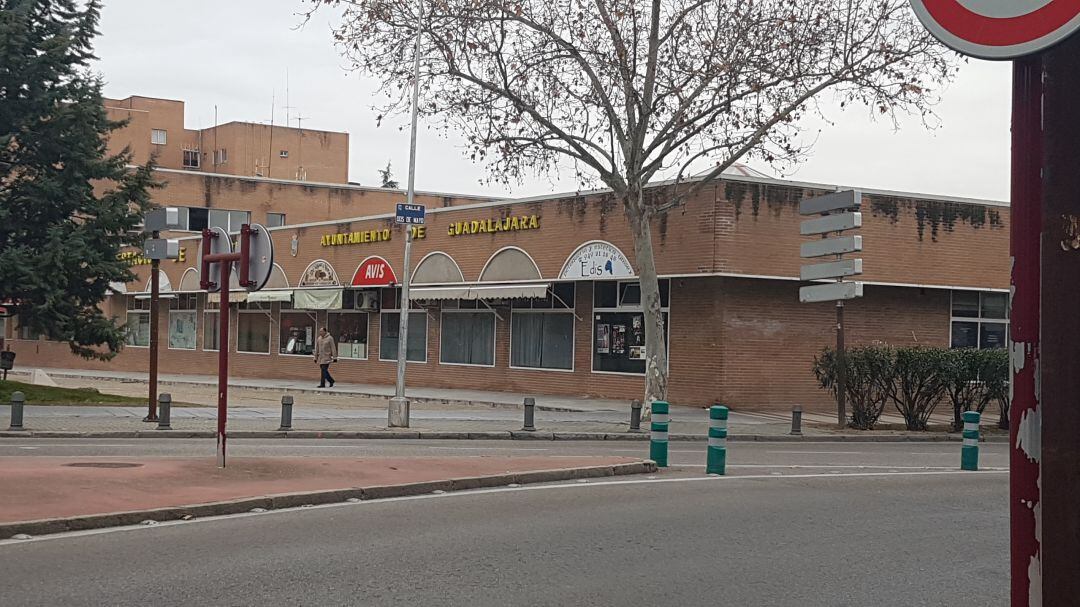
[
  {"x": 182, "y": 322},
  {"x": 467, "y": 338},
  {"x": 619, "y": 326},
  {"x": 980, "y": 319},
  {"x": 211, "y": 327},
  {"x": 283, "y": 154},
  {"x": 542, "y": 330},
  {"x": 198, "y": 219},
  {"x": 275, "y": 220},
  {"x": 221, "y": 156},
  {"x": 157, "y": 136},
  {"x": 230, "y": 221},
  {"x": 416, "y": 345},
  {"x": 297, "y": 332},
  {"x": 253, "y": 328},
  {"x": 27, "y": 333},
  {"x": 138, "y": 322},
  {"x": 349, "y": 328},
  {"x": 191, "y": 159}
]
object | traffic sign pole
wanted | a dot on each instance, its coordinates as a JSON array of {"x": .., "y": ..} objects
[{"x": 1025, "y": 226}]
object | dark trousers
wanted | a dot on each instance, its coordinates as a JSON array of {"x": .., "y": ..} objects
[{"x": 326, "y": 377}]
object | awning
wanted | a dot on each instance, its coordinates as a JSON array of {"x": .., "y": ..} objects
[
  {"x": 234, "y": 297},
  {"x": 317, "y": 299},
  {"x": 273, "y": 295},
  {"x": 169, "y": 295},
  {"x": 481, "y": 291}
]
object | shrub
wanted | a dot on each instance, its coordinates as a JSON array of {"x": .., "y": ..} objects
[
  {"x": 868, "y": 375},
  {"x": 920, "y": 377},
  {"x": 999, "y": 380},
  {"x": 968, "y": 382}
]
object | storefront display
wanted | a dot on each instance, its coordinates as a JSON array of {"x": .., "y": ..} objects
[{"x": 624, "y": 351}]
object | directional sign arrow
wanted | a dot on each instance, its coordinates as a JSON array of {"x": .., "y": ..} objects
[
  {"x": 833, "y": 269},
  {"x": 831, "y": 292},
  {"x": 831, "y": 246}
]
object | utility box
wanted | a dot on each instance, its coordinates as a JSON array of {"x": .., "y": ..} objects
[
  {"x": 161, "y": 248},
  {"x": 159, "y": 220}
]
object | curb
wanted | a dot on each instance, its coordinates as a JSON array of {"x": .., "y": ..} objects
[
  {"x": 311, "y": 498},
  {"x": 503, "y": 435}
]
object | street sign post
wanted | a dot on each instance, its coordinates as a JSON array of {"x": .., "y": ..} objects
[
  {"x": 839, "y": 212},
  {"x": 410, "y": 213},
  {"x": 999, "y": 29},
  {"x": 156, "y": 249}
]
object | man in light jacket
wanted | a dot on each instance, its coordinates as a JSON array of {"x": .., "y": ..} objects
[{"x": 325, "y": 353}]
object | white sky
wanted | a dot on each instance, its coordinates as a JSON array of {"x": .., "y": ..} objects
[{"x": 235, "y": 54}]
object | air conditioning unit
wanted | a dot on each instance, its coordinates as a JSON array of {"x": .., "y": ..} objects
[{"x": 367, "y": 301}]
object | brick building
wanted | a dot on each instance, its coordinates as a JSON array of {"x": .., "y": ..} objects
[{"x": 539, "y": 294}]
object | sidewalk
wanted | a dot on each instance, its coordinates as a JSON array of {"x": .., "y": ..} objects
[{"x": 53, "y": 494}]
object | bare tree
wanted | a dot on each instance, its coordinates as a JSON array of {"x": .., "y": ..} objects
[{"x": 631, "y": 92}]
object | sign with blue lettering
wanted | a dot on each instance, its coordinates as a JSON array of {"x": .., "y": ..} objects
[{"x": 410, "y": 213}]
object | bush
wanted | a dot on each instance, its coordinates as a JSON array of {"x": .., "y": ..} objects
[
  {"x": 868, "y": 375},
  {"x": 920, "y": 379},
  {"x": 999, "y": 380},
  {"x": 968, "y": 382}
]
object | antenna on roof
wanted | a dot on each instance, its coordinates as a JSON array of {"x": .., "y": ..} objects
[
  {"x": 270, "y": 151},
  {"x": 301, "y": 175}
]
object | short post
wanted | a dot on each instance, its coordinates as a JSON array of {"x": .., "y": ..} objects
[
  {"x": 530, "y": 413},
  {"x": 969, "y": 453},
  {"x": 635, "y": 416},
  {"x": 716, "y": 458},
  {"x": 17, "y": 401},
  {"x": 164, "y": 417},
  {"x": 286, "y": 413},
  {"x": 796, "y": 420},
  {"x": 658, "y": 441}
]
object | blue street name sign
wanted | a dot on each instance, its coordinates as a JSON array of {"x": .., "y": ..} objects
[{"x": 410, "y": 213}]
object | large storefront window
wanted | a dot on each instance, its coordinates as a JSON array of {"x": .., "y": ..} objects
[
  {"x": 619, "y": 326},
  {"x": 349, "y": 327},
  {"x": 416, "y": 345},
  {"x": 980, "y": 319},
  {"x": 467, "y": 338},
  {"x": 297, "y": 331},
  {"x": 182, "y": 322},
  {"x": 138, "y": 322},
  {"x": 253, "y": 328},
  {"x": 211, "y": 326},
  {"x": 542, "y": 330}
]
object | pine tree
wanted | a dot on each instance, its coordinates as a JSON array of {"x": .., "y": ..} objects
[
  {"x": 386, "y": 176},
  {"x": 66, "y": 205}
]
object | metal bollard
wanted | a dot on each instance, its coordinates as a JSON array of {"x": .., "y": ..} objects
[
  {"x": 716, "y": 457},
  {"x": 969, "y": 453},
  {"x": 17, "y": 401},
  {"x": 658, "y": 441},
  {"x": 530, "y": 409},
  {"x": 286, "y": 413},
  {"x": 796, "y": 420},
  {"x": 635, "y": 416},
  {"x": 164, "y": 411}
]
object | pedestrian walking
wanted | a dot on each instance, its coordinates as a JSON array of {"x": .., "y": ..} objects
[{"x": 325, "y": 353}]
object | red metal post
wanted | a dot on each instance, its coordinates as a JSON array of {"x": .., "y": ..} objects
[
  {"x": 1025, "y": 225},
  {"x": 223, "y": 363}
]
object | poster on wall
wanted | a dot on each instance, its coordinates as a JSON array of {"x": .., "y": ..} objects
[
  {"x": 618, "y": 339},
  {"x": 603, "y": 339},
  {"x": 637, "y": 352},
  {"x": 637, "y": 332}
]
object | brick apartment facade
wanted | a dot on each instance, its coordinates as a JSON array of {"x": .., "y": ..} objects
[{"x": 729, "y": 257}]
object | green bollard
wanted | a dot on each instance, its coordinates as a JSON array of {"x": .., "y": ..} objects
[
  {"x": 716, "y": 460},
  {"x": 969, "y": 453},
  {"x": 658, "y": 439}
]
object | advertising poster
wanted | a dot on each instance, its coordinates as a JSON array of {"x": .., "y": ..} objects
[
  {"x": 618, "y": 339},
  {"x": 603, "y": 339}
]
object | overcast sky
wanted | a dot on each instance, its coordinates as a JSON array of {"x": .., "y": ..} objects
[{"x": 235, "y": 55}]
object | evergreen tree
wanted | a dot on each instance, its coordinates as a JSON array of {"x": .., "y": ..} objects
[
  {"x": 66, "y": 206},
  {"x": 386, "y": 176}
]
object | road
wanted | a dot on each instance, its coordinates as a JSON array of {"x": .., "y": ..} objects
[{"x": 794, "y": 524}]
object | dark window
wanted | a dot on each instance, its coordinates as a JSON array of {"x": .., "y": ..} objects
[
  {"x": 467, "y": 338},
  {"x": 542, "y": 340},
  {"x": 619, "y": 341},
  {"x": 275, "y": 220},
  {"x": 198, "y": 219},
  {"x": 606, "y": 294},
  {"x": 191, "y": 159},
  {"x": 388, "y": 336}
]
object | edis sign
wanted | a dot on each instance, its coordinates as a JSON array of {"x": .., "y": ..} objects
[
  {"x": 597, "y": 260},
  {"x": 489, "y": 226}
]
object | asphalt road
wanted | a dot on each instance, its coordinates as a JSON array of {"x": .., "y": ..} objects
[{"x": 905, "y": 529}]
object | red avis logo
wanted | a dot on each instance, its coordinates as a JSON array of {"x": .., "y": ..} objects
[
  {"x": 999, "y": 29},
  {"x": 374, "y": 272}
]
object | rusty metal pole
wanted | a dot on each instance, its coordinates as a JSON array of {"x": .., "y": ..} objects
[
  {"x": 1025, "y": 226},
  {"x": 1059, "y": 350},
  {"x": 155, "y": 299}
]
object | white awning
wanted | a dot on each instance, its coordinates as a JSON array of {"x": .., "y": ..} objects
[
  {"x": 234, "y": 297},
  {"x": 317, "y": 299},
  {"x": 160, "y": 296},
  {"x": 272, "y": 295},
  {"x": 481, "y": 291}
]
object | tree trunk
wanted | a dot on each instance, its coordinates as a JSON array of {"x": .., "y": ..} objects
[{"x": 656, "y": 360}]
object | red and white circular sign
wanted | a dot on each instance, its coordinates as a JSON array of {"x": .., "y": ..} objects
[
  {"x": 999, "y": 29},
  {"x": 374, "y": 272}
]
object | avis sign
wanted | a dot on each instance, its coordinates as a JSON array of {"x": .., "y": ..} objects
[
  {"x": 999, "y": 29},
  {"x": 374, "y": 272}
]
